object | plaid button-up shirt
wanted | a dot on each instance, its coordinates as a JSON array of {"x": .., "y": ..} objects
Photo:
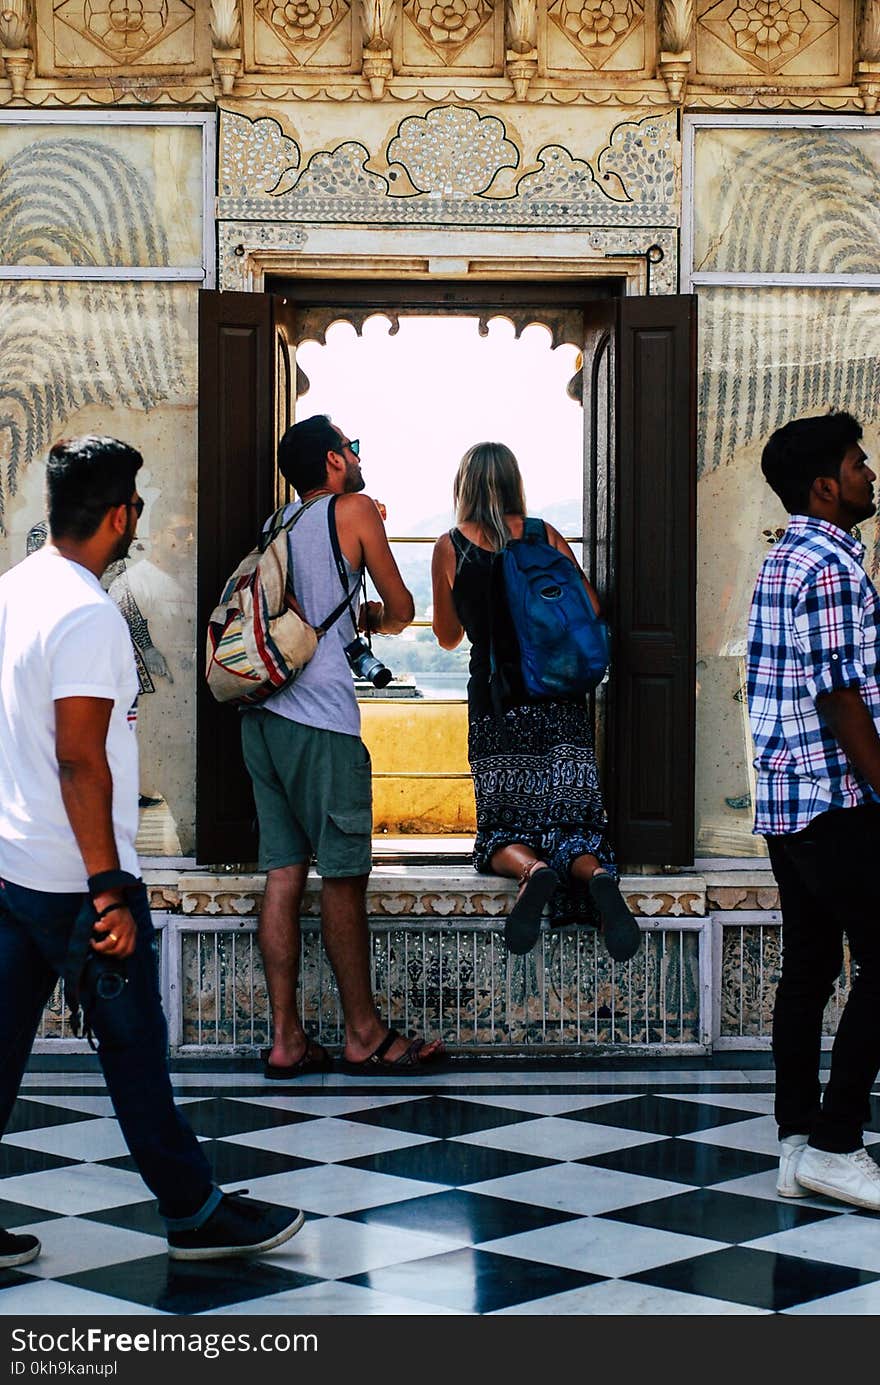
[{"x": 813, "y": 627}]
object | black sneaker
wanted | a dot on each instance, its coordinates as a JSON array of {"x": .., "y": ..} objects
[
  {"x": 239, "y": 1225},
  {"x": 17, "y": 1250}
]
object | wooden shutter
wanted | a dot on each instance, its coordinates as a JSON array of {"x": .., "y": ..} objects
[
  {"x": 240, "y": 410},
  {"x": 649, "y": 770}
]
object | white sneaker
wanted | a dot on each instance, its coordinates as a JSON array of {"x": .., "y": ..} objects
[
  {"x": 790, "y": 1153},
  {"x": 853, "y": 1178}
]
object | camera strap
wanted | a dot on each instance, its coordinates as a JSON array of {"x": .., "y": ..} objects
[{"x": 349, "y": 597}]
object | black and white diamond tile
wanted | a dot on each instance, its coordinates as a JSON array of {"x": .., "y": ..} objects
[{"x": 606, "y": 1193}]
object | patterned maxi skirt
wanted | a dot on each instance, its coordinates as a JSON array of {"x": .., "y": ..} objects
[{"x": 535, "y": 782}]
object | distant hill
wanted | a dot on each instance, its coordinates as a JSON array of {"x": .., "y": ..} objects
[{"x": 564, "y": 515}]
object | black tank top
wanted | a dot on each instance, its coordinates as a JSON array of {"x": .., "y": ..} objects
[{"x": 480, "y": 603}]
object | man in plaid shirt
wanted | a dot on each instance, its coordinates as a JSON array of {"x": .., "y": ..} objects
[{"x": 814, "y": 708}]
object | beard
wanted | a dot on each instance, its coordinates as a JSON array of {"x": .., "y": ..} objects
[
  {"x": 122, "y": 547},
  {"x": 354, "y": 480}
]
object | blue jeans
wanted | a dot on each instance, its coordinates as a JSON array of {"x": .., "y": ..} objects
[{"x": 123, "y": 1009}]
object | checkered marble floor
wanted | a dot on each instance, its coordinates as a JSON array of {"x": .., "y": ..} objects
[{"x": 588, "y": 1192}]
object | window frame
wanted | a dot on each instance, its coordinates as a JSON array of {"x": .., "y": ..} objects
[
  {"x": 691, "y": 278},
  {"x": 203, "y": 274}
]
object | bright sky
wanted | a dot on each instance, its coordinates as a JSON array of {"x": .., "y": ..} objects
[{"x": 420, "y": 399}]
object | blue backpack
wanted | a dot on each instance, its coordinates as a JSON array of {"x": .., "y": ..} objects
[{"x": 564, "y": 646}]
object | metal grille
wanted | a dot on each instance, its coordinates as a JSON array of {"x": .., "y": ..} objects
[
  {"x": 55, "y": 1034},
  {"x": 749, "y": 953},
  {"x": 457, "y": 980}
]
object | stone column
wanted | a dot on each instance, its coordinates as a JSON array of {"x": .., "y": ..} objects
[
  {"x": 676, "y": 28},
  {"x": 521, "y": 59},
  {"x": 379, "y": 19},
  {"x": 868, "y": 65},
  {"x": 226, "y": 44},
  {"x": 15, "y": 34}
]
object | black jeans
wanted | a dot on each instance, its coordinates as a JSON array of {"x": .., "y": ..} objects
[{"x": 827, "y": 877}]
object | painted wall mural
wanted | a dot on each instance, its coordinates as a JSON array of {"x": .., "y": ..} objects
[
  {"x": 117, "y": 358},
  {"x": 767, "y": 356}
]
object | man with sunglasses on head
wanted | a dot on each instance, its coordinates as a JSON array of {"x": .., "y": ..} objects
[
  {"x": 310, "y": 769},
  {"x": 72, "y": 903}
]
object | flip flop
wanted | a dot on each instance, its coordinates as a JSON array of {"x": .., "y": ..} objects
[
  {"x": 620, "y": 931},
  {"x": 523, "y": 923},
  {"x": 409, "y": 1064},
  {"x": 315, "y": 1059}
]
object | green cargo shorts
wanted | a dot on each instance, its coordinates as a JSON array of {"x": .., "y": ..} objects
[{"x": 313, "y": 791}]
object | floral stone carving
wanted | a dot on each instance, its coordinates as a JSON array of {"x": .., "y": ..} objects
[
  {"x": 255, "y": 156},
  {"x": 640, "y": 160},
  {"x": 451, "y": 159},
  {"x": 449, "y": 25},
  {"x": 769, "y": 29},
  {"x": 597, "y": 28},
  {"x": 125, "y": 30},
  {"x": 767, "y": 33},
  {"x": 452, "y": 151},
  {"x": 301, "y": 25}
]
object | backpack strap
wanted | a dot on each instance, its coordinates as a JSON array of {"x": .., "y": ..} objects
[
  {"x": 277, "y": 523},
  {"x": 343, "y": 576},
  {"x": 534, "y": 530},
  {"x": 499, "y": 683}
]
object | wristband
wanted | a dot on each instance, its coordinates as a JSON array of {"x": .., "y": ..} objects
[
  {"x": 108, "y": 909},
  {"x": 110, "y": 880}
]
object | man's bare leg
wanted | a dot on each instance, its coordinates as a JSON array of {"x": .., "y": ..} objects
[
  {"x": 346, "y": 940},
  {"x": 278, "y": 937}
]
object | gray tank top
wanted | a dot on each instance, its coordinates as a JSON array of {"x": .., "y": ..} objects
[{"x": 323, "y": 695}]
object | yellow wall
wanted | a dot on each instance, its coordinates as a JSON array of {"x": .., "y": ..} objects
[{"x": 419, "y": 738}]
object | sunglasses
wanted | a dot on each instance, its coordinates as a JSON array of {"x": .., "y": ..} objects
[
  {"x": 136, "y": 505},
  {"x": 353, "y": 446}
]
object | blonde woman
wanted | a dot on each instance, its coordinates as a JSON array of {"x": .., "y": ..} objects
[{"x": 540, "y": 816}]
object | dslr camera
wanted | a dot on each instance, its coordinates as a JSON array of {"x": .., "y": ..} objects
[{"x": 364, "y": 664}]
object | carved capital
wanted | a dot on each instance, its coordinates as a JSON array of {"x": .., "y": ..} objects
[
  {"x": 227, "y": 67},
  {"x": 868, "y": 83},
  {"x": 15, "y": 33},
  {"x": 869, "y": 32},
  {"x": 676, "y": 27},
  {"x": 674, "y": 69},
  {"x": 521, "y": 68},
  {"x": 225, "y": 38},
  {"x": 378, "y": 69}
]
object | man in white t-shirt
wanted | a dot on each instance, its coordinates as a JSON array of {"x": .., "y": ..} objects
[{"x": 71, "y": 900}]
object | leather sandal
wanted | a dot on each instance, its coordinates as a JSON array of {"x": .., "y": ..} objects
[
  {"x": 538, "y": 883},
  {"x": 409, "y": 1064},
  {"x": 314, "y": 1059}
]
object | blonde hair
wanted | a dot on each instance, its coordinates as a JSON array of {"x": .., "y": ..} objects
[{"x": 488, "y": 486}]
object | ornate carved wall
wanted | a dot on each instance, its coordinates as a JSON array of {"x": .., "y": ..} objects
[
  {"x": 541, "y": 123},
  {"x": 449, "y": 166},
  {"x": 796, "y": 54}
]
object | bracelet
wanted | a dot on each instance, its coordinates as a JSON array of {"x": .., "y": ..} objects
[
  {"x": 108, "y": 909},
  {"x": 106, "y": 880}
]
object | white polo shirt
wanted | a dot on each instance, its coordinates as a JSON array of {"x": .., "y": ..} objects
[{"x": 60, "y": 636}]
